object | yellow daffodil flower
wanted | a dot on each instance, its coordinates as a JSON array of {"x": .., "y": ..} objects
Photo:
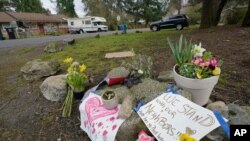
[
  {"x": 82, "y": 68},
  {"x": 216, "y": 71},
  {"x": 198, "y": 50},
  {"x": 69, "y": 70},
  {"x": 186, "y": 137},
  {"x": 68, "y": 60}
]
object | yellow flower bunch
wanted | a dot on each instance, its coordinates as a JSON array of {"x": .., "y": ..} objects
[
  {"x": 82, "y": 68},
  {"x": 186, "y": 137},
  {"x": 68, "y": 60},
  {"x": 76, "y": 73},
  {"x": 74, "y": 66}
]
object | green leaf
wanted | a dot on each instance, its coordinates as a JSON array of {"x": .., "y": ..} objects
[{"x": 207, "y": 56}]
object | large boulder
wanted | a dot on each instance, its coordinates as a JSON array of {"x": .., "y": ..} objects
[
  {"x": 147, "y": 90},
  {"x": 54, "y": 88},
  {"x": 118, "y": 72},
  {"x": 36, "y": 69},
  {"x": 236, "y": 115},
  {"x": 53, "y": 47}
]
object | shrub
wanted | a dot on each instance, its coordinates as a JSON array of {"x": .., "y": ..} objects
[
  {"x": 194, "y": 13},
  {"x": 235, "y": 16}
]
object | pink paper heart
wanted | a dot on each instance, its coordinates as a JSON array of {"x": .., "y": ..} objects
[
  {"x": 144, "y": 137},
  {"x": 95, "y": 109}
]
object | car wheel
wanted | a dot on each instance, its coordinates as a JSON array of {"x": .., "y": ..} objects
[
  {"x": 179, "y": 27},
  {"x": 155, "y": 28},
  {"x": 81, "y": 31},
  {"x": 99, "y": 30}
]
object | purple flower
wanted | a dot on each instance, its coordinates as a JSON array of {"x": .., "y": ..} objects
[{"x": 213, "y": 62}]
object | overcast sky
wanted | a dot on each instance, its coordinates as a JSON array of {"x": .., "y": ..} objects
[{"x": 52, "y": 7}]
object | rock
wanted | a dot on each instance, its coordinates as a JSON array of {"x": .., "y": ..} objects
[
  {"x": 69, "y": 41},
  {"x": 118, "y": 72},
  {"x": 127, "y": 107},
  {"x": 53, "y": 47},
  {"x": 116, "y": 33},
  {"x": 54, "y": 88},
  {"x": 36, "y": 69},
  {"x": 217, "y": 106},
  {"x": 97, "y": 36},
  {"x": 138, "y": 31},
  {"x": 148, "y": 89},
  {"x": 236, "y": 115},
  {"x": 166, "y": 76},
  {"x": 130, "y": 128}
]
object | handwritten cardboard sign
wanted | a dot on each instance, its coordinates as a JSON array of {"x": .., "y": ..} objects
[{"x": 170, "y": 115}]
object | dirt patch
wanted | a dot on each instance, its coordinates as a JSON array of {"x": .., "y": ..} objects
[
  {"x": 231, "y": 44},
  {"x": 26, "y": 114}
]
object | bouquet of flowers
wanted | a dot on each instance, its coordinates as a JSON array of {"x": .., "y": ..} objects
[
  {"x": 193, "y": 61},
  {"x": 76, "y": 79}
]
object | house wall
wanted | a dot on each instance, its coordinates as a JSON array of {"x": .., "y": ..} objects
[
  {"x": 58, "y": 28},
  {"x": 48, "y": 28}
]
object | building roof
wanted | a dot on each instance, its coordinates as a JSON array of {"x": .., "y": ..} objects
[
  {"x": 32, "y": 17},
  {"x": 5, "y": 18}
]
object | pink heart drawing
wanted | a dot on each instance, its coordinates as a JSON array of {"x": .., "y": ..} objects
[
  {"x": 95, "y": 109},
  {"x": 144, "y": 137}
]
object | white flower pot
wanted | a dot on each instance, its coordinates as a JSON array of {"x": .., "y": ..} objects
[
  {"x": 111, "y": 103},
  {"x": 200, "y": 89}
]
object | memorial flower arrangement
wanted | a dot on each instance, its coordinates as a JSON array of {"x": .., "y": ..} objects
[
  {"x": 196, "y": 71},
  {"x": 75, "y": 78},
  {"x": 193, "y": 61}
]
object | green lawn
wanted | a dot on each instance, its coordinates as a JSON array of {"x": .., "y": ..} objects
[{"x": 91, "y": 51}]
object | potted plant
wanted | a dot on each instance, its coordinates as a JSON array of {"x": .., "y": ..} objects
[
  {"x": 76, "y": 79},
  {"x": 196, "y": 71},
  {"x": 109, "y": 99}
]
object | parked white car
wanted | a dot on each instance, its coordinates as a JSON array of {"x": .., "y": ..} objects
[{"x": 86, "y": 24}]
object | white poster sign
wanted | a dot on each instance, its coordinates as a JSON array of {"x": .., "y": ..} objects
[{"x": 170, "y": 115}]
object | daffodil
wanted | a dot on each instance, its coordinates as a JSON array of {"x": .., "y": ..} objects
[
  {"x": 186, "y": 137},
  {"x": 198, "y": 50},
  {"x": 69, "y": 69},
  {"x": 183, "y": 137},
  {"x": 68, "y": 60},
  {"x": 216, "y": 71},
  {"x": 82, "y": 68}
]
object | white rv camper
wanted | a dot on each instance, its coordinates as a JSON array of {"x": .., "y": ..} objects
[{"x": 86, "y": 24}]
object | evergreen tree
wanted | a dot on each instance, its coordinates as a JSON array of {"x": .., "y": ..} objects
[
  {"x": 149, "y": 10},
  {"x": 3, "y": 5},
  {"x": 27, "y": 6},
  {"x": 66, "y": 7}
]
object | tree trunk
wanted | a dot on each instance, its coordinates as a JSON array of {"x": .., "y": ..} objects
[
  {"x": 179, "y": 7},
  {"x": 218, "y": 12},
  {"x": 246, "y": 21},
  {"x": 207, "y": 14}
]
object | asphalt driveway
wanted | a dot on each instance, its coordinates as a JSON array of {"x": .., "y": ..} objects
[{"x": 8, "y": 44}]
